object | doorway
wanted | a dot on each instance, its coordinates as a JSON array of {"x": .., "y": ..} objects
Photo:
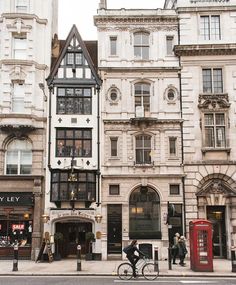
[
  {"x": 73, "y": 234},
  {"x": 114, "y": 221},
  {"x": 216, "y": 214}
]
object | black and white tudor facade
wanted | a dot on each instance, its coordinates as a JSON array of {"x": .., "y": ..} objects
[{"x": 72, "y": 197}]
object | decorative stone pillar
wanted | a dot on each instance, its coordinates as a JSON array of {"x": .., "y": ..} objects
[{"x": 36, "y": 235}]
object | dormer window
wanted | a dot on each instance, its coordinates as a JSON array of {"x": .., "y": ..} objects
[{"x": 141, "y": 46}]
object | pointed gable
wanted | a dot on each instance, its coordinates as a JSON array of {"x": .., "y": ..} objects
[{"x": 74, "y": 64}]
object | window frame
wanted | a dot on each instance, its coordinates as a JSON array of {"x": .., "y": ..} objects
[
  {"x": 18, "y": 98},
  {"x": 19, "y": 158},
  {"x": 140, "y": 46},
  {"x": 113, "y": 45},
  {"x": 72, "y": 146},
  {"x": 25, "y": 5},
  {"x": 209, "y": 84},
  {"x": 175, "y": 192},
  {"x": 142, "y": 99},
  {"x": 113, "y": 152},
  {"x": 214, "y": 127},
  {"x": 79, "y": 104},
  {"x": 116, "y": 191},
  {"x": 19, "y": 53},
  {"x": 142, "y": 151},
  {"x": 175, "y": 139},
  {"x": 208, "y": 26},
  {"x": 169, "y": 45}
]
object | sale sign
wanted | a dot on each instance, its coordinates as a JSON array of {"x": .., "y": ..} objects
[{"x": 18, "y": 227}]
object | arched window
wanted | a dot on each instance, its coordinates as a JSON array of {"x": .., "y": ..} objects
[
  {"x": 143, "y": 149},
  {"x": 19, "y": 158},
  {"x": 141, "y": 45},
  {"x": 142, "y": 98},
  {"x": 144, "y": 214}
]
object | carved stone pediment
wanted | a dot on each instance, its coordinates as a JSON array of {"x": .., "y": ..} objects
[
  {"x": 19, "y": 26},
  {"x": 213, "y": 101},
  {"x": 17, "y": 74},
  {"x": 216, "y": 187}
]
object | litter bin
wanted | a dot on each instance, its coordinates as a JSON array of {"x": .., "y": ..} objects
[{"x": 233, "y": 260}]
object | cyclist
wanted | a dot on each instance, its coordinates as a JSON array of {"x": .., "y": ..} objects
[{"x": 131, "y": 256}]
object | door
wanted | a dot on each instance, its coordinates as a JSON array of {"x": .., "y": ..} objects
[
  {"x": 114, "y": 225},
  {"x": 216, "y": 214}
]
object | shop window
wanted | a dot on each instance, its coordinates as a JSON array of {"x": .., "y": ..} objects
[
  {"x": 19, "y": 158},
  {"x": 16, "y": 226},
  {"x": 73, "y": 142},
  {"x": 144, "y": 214}
]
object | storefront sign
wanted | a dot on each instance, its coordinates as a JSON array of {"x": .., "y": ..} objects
[
  {"x": 16, "y": 199},
  {"x": 18, "y": 227},
  {"x": 67, "y": 213}
]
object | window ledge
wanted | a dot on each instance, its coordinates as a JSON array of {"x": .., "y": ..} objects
[
  {"x": 210, "y": 149},
  {"x": 114, "y": 158}
]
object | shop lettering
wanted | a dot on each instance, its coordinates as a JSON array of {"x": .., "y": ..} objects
[{"x": 9, "y": 199}]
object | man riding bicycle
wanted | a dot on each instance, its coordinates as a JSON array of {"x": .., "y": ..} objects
[{"x": 131, "y": 256}]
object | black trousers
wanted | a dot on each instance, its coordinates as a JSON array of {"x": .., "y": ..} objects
[
  {"x": 175, "y": 252},
  {"x": 133, "y": 259}
]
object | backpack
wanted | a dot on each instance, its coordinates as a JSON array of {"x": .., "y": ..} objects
[{"x": 127, "y": 248}]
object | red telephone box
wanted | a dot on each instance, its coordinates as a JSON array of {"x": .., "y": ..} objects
[{"x": 200, "y": 239}]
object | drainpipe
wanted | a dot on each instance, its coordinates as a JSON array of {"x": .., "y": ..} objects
[
  {"x": 49, "y": 125},
  {"x": 182, "y": 139},
  {"x": 98, "y": 145}
]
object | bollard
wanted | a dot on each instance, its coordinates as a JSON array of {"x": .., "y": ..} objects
[
  {"x": 233, "y": 260},
  {"x": 79, "y": 257},
  {"x": 156, "y": 264},
  {"x": 169, "y": 258},
  {"x": 15, "y": 259}
]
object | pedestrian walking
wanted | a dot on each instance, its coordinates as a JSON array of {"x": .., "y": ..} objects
[
  {"x": 175, "y": 248},
  {"x": 182, "y": 250}
]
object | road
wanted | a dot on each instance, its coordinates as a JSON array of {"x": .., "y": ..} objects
[{"x": 75, "y": 280}]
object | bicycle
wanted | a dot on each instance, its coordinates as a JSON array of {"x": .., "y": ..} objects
[{"x": 150, "y": 271}]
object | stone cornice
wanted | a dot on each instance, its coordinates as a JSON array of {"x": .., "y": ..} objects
[
  {"x": 24, "y": 16},
  {"x": 136, "y": 19},
  {"x": 127, "y": 121},
  {"x": 23, "y": 63},
  {"x": 138, "y": 69},
  {"x": 205, "y": 49},
  {"x": 195, "y": 9},
  {"x": 23, "y": 116},
  {"x": 128, "y": 176}
]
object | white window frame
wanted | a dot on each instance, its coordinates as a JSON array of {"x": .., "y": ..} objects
[
  {"x": 20, "y": 47},
  {"x": 144, "y": 104},
  {"x": 141, "y": 46},
  {"x": 144, "y": 149},
  {"x": 215, "y": 128},
  {"x": 19, "y": 148},
  {"x": 18, "y": 97},
  {"x": 208, "y": 28}
]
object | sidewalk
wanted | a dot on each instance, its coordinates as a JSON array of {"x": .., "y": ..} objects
[{"x": 222, "y": 268}]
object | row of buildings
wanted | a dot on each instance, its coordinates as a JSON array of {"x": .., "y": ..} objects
[{"x": 129, "y": 137}]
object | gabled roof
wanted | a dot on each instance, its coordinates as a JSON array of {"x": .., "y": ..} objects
[{"x": 73, "y": 33}]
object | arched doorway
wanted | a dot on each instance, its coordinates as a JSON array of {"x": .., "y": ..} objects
[
  {"x": 144, "y": 214},
  {"x": 74, "y": 232},
  {"x": 214, "y": 197}
]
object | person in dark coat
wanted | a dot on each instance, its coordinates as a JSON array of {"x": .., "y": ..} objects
[
  {"x": 132, "y": 257},
  {"x": 175, "y": 247},
  {"x": 182, "y": 250}
]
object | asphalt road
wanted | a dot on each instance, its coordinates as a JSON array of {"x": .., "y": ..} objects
[{"x": 73, "y": 280}]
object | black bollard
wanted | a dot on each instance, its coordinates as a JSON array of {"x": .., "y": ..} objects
[
  {"x": 79, "y": 257},
  {"x": 156, "y": 264},
  {"x": 169, "y": 258},
  {"x": 233, "y": 260},
  {"x": 15, "y": 260}
]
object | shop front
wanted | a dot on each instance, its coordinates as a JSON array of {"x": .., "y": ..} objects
[{"x": 16, "y": 224}]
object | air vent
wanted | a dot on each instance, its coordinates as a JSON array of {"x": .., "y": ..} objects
[{"x": 73, "y": 120}]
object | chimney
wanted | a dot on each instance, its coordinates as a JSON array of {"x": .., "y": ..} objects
[{"x": 103, "y": 4}]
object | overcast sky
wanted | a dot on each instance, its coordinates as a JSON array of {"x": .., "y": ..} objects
[{"x": 81, "y": 12}]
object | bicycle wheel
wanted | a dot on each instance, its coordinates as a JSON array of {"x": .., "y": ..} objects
[
  {"x": 125, "y": 271},
  {"x": 149, "y": 272}
]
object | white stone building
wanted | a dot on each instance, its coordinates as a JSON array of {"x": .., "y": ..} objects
[
  {"x": 26, "y": 30},
  {"x": 140, "y": 129},
  {"x": 207, "y": 52}
]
